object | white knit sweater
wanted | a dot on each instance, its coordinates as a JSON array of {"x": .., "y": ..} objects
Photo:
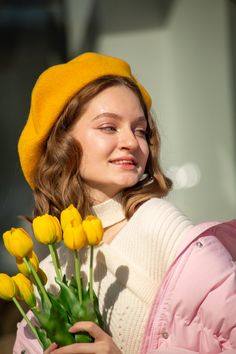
[{"x": 129, "y": 270}]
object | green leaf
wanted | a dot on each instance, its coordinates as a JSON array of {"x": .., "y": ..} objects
[
  {"x": 58, "y": 305},
  {"x": 44, "y": 302},
  {"x": 62, "y": 336},
  {"x": 97, "y": 317},
  {"x": 69, "y": 299},
  {"x": 42, "y": 317},
  {"x": 52, "y": 324},
  {"x": 66, "y": 310},
  {"x": 73, "y": 286},
  {"x": 83, "y": 337},
  {"x": 43, "y": 337}
]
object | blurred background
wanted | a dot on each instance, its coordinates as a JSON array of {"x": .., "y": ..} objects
[{"x": 183, "y": 51}]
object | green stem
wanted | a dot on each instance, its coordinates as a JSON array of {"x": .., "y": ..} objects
[
  {"x": 38, "y": 281},
  {"x": 33, "y": 330},
  {"x": 91, "y": 274},
  {"x": 77, "y": 275},
  {"x": 55, "y": 261}
]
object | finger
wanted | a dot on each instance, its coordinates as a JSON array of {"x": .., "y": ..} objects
[
  {"x": 52, "y": 347},
  {"x": 85, "y": 326},
  {"x": 78, "y": 348}
]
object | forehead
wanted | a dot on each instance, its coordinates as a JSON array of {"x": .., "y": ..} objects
[{"x": 118, "y": 99}]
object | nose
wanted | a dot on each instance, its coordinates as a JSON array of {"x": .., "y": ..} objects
[{"x": 128, "y": 140}]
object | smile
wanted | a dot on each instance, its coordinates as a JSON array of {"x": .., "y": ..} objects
[{"x": 123, "y": 162}]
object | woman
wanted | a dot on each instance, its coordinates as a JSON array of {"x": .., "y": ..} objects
[{"x": 90, "y": 140}]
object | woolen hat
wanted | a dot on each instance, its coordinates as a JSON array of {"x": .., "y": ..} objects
[{"x": 53, "y": 90}]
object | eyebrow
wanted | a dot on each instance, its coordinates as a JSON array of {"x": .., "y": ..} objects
[{"x": 117, "y": 116}]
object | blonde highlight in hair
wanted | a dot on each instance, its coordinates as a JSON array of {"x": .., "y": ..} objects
[{"x": 57, "y": 178}]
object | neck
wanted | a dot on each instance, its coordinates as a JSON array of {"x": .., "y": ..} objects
[
  {"x": 110, "y": 211},
  {"x": 98, "y": 196}
]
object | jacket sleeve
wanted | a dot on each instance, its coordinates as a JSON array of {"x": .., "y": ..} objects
[
  {"x": 204, "y": 311},
  {"x": 185, "y": 351},
  {"x": 25, "y": 341},
  {"x": 173, "y": 351}
]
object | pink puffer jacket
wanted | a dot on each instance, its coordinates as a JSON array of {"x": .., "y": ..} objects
[{"x": 195, "y": 309}]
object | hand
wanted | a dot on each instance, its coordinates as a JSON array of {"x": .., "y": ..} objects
[
  {"x": 103, "y": 343},
  {"x": 50, "y": 349}
]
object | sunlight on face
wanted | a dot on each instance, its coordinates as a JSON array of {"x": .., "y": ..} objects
[{"x": 112, "y": 135}]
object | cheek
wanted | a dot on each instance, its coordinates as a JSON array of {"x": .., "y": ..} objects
[
  {"x": 95, "y": 148},
  {"x": 145, "y": 152}
]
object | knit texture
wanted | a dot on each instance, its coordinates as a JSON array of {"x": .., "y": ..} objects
[
  {"x": 129, "y": 270},
  {"x": 127, "y": 273}
]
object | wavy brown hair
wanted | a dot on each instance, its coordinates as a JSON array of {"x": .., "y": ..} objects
[{"x": 57, "y": 178}]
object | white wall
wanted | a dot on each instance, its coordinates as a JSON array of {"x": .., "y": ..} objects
[{"x": 185, "y": 64}]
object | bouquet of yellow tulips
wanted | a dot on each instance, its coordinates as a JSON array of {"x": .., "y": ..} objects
[{"x": 73, "y": 302}]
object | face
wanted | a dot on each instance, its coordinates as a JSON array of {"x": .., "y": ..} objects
[{"x": 112, "y": 135}]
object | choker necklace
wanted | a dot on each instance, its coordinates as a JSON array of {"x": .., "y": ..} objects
[{"x": 110, "y": 212}]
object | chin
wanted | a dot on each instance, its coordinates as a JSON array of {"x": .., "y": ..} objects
[{"x": 130, "y": 183}]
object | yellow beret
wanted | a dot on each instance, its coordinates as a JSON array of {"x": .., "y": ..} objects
[{"x": 53, "y": 90}]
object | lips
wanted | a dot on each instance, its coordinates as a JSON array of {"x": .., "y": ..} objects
[{"x": 124, "y": 160}]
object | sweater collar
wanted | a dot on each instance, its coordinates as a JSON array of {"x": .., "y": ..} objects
[{"x": 110, "y": 212}]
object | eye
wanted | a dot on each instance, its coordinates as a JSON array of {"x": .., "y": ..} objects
[
  {"x": 141, "y": 132},
  {"x": 108, "y": 129}
]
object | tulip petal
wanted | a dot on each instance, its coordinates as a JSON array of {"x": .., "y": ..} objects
[
  {"x": 74, "y": 237},
  {"x": 47, "y": 229},
  {"x": 33, "y": 259},
  {"x": 18, "y": 242},
  {"x": 93, "y": 229},
  {"x": 69, "y": 214},
  {"x": 25, "y": 288},
  {"x": 8, "y": 288}
]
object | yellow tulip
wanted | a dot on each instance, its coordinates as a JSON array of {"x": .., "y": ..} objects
[
  {"x": 25, "y": 287},
  {"x": 33, "y": 259},
  {"x": 47, "y": 229},
  {"x": 74, "y": 236},
  {"x": 18, "y": 242},
  {"x": 69, "y": 214},
  {"x": 8, "y": 288},
  {"x": 42, "y": 276},
  {"x": 93, "y": 229}
]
